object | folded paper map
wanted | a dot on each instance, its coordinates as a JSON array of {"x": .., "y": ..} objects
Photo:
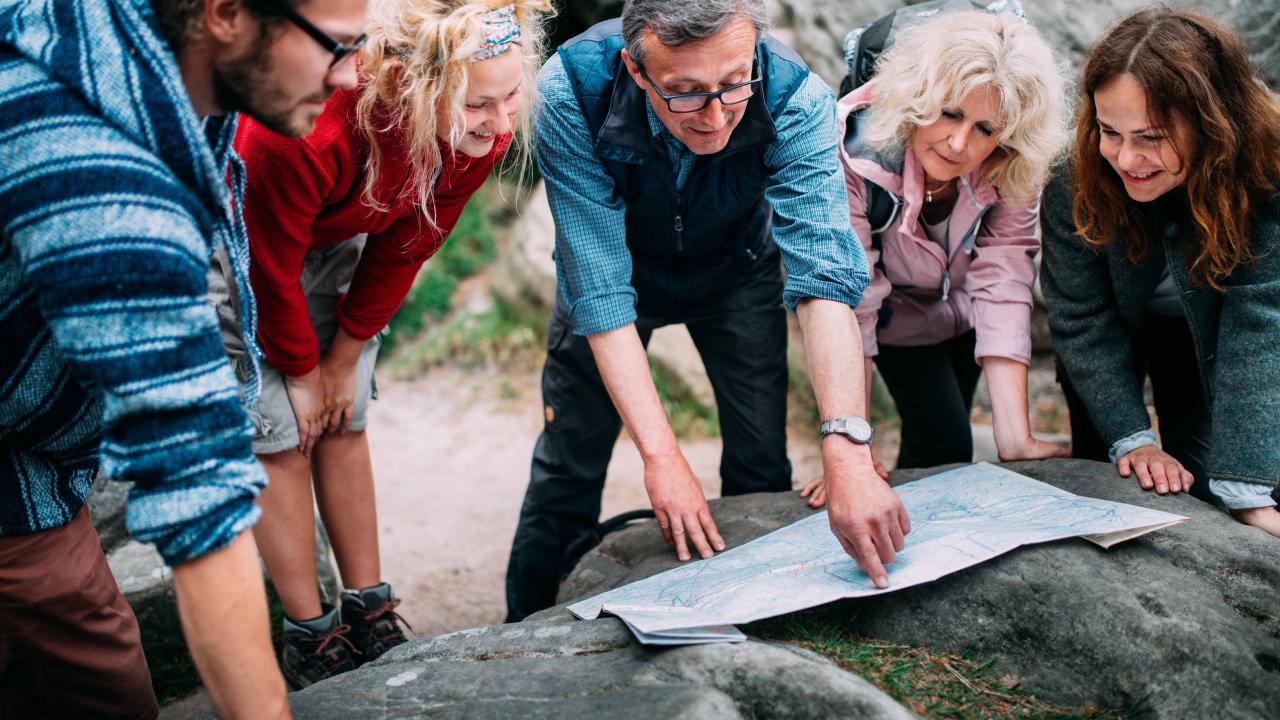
[{"x": 959, "y": 518}]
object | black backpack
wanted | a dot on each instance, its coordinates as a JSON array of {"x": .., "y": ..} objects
[{"x": 863, "y": 47}]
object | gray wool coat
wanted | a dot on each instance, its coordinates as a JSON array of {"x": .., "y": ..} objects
[{"x": 1097, "y": 299}]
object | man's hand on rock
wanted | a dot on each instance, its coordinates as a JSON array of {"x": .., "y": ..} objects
[
  {"x": 1155, "y": 468},
  {"x": 866, "y": 515},
  {"x": 680, "y": 507}
]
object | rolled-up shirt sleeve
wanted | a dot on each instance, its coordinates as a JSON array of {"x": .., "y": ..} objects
[
  {"x": 593, "y": 264},
  {"x": 806, "y": 189}
]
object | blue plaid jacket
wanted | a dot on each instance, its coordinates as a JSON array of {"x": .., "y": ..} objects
[{"x": 114, "y": 196}]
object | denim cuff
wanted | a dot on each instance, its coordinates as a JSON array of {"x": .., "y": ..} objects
[
  {"x": 1129, "y": 443},
  {"x": 1236, "y": 495}
]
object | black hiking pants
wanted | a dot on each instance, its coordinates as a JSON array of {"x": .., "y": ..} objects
[
  {"x": 932, "y": 386},
  {"x": 741, "y": 335},
  {"x": 1164, "y": 351}
]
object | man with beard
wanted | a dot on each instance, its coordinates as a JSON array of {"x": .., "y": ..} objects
[{"x": 116, "y": 119}]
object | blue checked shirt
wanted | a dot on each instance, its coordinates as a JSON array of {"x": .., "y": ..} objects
[{"x": 822, "y": 256}]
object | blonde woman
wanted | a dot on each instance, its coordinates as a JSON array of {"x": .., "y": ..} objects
[
  {"x": 339, "y": 224},
  {"x": 945, "y": 154}
]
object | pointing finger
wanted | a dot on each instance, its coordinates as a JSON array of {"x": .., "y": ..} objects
[{"x": 869, "y": 561}]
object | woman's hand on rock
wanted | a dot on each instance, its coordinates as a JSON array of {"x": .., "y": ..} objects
[
  {"x": 1156, "y": 469},
  {"x": 816, "y": 489}
]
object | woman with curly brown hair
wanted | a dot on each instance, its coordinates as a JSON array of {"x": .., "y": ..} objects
[{"x": 1161, "y": 260}]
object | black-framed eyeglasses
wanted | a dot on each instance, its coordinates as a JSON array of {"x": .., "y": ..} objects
[
  {"x": 341, "y": 51},
  {"x": 693, "y": 102}
]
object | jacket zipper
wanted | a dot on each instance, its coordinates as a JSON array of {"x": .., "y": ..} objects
[
  {"x": 679, "y": 223},
  {"x": 946, "y": 256},
  {"x": 679, "y": 217}
]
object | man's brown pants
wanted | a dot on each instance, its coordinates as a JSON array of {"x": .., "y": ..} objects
[{"x": 69, "y": 643}]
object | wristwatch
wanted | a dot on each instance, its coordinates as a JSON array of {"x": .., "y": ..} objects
[{"x": 855, "y": 428}]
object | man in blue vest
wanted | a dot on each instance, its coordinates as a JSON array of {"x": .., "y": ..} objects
[{"x": 685, "y": 152}]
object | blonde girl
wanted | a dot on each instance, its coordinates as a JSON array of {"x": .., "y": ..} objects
[{"x": 339, "y": 224}]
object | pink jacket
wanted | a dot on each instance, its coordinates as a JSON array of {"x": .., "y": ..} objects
[{"x": 987, "y": 274}]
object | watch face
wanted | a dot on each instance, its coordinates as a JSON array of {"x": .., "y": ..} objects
[{"x": 858, "y": 429}]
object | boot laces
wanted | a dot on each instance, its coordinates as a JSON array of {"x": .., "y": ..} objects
[
  {"x": 379, "y": 620},
  {"x": 339, "y": 634}
]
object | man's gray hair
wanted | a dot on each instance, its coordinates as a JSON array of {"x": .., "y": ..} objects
[{"x": 676, "y": 22}]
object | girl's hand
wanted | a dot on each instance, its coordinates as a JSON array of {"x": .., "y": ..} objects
[
  {"x": 339, "y": 368},
  {"x": 306, "y": 395},
  {"x": 340, "y": 393}
]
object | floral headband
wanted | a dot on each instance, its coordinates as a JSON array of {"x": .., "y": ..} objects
[{"x": 501, "y": 31}]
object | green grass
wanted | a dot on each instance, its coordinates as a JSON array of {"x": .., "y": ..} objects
[
  {"x": 173, "y": 675},
  {"x": 689, "y": 418},
  {"x": 497, "y": 338},
  {"x": 929, "y": 683},
  {"x": 470, "y": 248},
  {"x": 803, "y": 406}
]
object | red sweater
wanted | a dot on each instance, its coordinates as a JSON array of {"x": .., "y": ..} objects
[{"x": 305, "y": 195}]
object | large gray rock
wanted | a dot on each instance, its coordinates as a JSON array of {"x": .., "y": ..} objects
[
  {"x": 524, "y": 275},
  {"x": 106, "y": 509},
  {"x": 1187, "y": 617},
  {"x": 816, "y": 28},
  {"x": 591, "y": 669}
]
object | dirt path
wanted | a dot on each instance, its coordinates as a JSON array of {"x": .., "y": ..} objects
[{"x": 451, "y": 456}]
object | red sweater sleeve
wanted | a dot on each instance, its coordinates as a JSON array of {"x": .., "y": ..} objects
[
  {"x": 286, "y": 186},
  {"x": 392, "y": 258}
]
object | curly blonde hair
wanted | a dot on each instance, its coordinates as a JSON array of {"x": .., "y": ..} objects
[
  {"x": 413, "y": 70},
  {"x": 935, "y": 65}
]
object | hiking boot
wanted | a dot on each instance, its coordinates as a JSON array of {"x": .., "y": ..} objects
[
  {"x": 316, "y": 649},
  {"x": 375, "y": 624}
]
